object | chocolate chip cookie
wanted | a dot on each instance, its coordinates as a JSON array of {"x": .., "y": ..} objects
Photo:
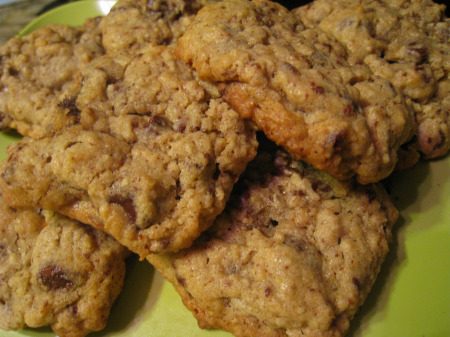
[
  {"x": 37, "y": 69},
  {"x": 294, "y": 254},
  {"x": 405, "y": 42},
  {"x": 135, "y": 23},
  {"x": 338, "y": 117},
  {"x": 40, "y": 69},
  {"x": 56, "y": 271},
  {"x": 152, "y": 161}
]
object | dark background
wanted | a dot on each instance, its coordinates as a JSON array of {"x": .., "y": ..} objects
[{"x": 290, "y": 4}]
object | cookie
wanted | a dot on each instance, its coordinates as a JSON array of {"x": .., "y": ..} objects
[
  {"x": 37, "y": 69},
  {"x": 405, "y": 42},
  {"x": 337, "y": 117},
  {"x": 135, "y": 23},
  {"x": 55, "y": 271},
  {"x": 294, "y": 254},
  {"x": 152, "y": 161}
]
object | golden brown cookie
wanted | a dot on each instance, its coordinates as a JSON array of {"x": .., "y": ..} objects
[
  {"x": 135, "y": 23},
  {"x": 337, "y": 117},
  {"x": 406, "y": 42},
  {"x": 294, "y": 254},
  {"x": 152, "y": 162},
  {"x": 56, "y": 271},
  {"x": 38, "y": 69}
]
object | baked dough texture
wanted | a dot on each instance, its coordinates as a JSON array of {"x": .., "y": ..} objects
[
  {"x": 140, "y": 134},
  {"x": 132, "y": 24},
  {"x": 406, "y": 42},
  {"x": 294, "y": 254},
  {"x": 37, "y": 70},
  {"x": 338, "y": 117},
  {"x": 152, "y": 160},
  {"x": 56, "y": 271}
]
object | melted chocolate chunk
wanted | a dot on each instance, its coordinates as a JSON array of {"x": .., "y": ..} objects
[{"x": 54, "y": 278}]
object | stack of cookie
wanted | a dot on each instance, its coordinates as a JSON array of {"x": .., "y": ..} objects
[{"x": 237, "y": 146}]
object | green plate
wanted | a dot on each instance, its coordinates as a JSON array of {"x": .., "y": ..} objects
[
  {"x": 73, "y": 14},
  {"x": 411, "y": 297}
]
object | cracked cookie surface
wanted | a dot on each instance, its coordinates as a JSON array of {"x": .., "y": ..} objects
[
  {"x": 36, "y": 71},
  {"x": 337, "y": 117},
  {"x": 294, "y": 254},
  {"x": 407, "y": 42},
  {"x": 39, "y": 70},
  {"x": 56, "y": 271},
  {"x": 152, "y": 161},
  {"x": 135, "y": 23}
]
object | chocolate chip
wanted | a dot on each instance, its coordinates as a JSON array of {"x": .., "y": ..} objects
[
  {"x": 127, "y": 205},
  {"x": 159, "y": 121},
  {"x": 54, "y": 278},
  {"x": 13, "y": 72},
  {"x": 69, "y": 103},
  {"x": 181, "y": 127},
  {"x": 299, "y": 193},
  {"x": 317, "y": 88},
  {"x": 416, "y": 52}
]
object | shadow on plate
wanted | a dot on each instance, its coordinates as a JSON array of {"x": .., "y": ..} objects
[
  {"x": 134, "y": 300},
  {"x": 407, "y": 190},
  {"x": 378, "y": 298}
]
